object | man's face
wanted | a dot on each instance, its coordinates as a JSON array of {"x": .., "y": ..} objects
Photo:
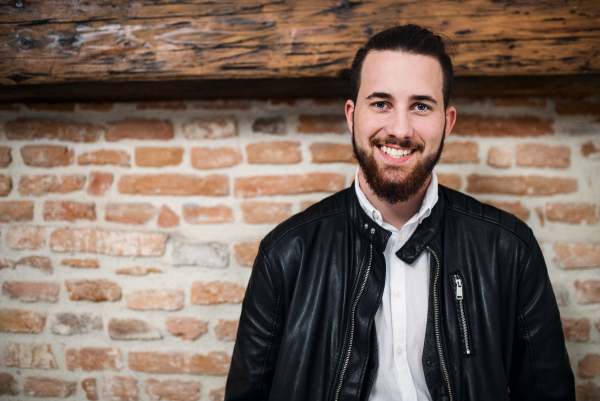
[{"x": 398, "y": 122}]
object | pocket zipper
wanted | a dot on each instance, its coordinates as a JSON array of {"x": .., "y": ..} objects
[{"x": 463, "y": 317}]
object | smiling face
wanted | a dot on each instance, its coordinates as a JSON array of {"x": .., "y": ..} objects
[{"x": 398, "y": 123}]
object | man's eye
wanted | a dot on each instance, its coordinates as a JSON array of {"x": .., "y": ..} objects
[
  {"x": 422, "y": 107},
  {"x": 380, "y": 105}
]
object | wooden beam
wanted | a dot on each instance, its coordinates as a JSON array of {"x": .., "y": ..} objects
[{"x": 61, "y": 41}]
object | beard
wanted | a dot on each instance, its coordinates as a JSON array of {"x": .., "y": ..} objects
[{"x": 396, "y": 190}]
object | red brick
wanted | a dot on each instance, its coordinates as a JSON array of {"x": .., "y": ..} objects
[
  {"x": 99, "y": 183},
  {"x": 130, "y": 213},
  {"x": 577, "y": 107},
  {"x": 69, "y": 211},
  {"x": 31, "y": 291},
  {"x": 540, "y": 213},
  {"x": 537, "y": 155},
  {"x": 208, "y": 158},
  {"x": 48, "y": 387},
  {"x": 531, "y": 185},
  {"x": 574, "y": 255},
  {"x": 588, "y": 291},
  {"x": 216, "y": 292},
  {"x": 499, "y": 157},
  {"x": 452, "y": 181},
  {"x": 137, "y": 270},
  {"x": 572, "y": 212},
  {"x": 119, "y": 388},
  {"x": 591, "y": 150},
  {"x": 105, "y": 157},
  {"x": 174, "y": 184},
  {"x": 132, "y": 329},
  {"x": 42, "y": 263},
  {"x": 284, "y": 101},
  {"x": 322, "y": 124},
  {"x": 245, "y": 253},
  {"x": 5, "y": 185},
  {"x": 90, "y": 387},
  {"x": 46, "y": 155},
  {"x": 107, "y": 242},
  {"x": 97, "y": 290},
  {"x": 460, "y": 152},
  {"x": 38, "y": 185},
  {"x": 288, "y": 184},
  {"x": 589, "y": 366},
  {"x": 96, "y": 106},
  {"x": 269, "y": 125},
  {"x": 167, "y": 218},
  {"x": 211, "y": 128},
  {"x": 173, "y": 105},
  {"x": 13, "y": 211},
  {"x": 5, "y": 156},
  {"x": 158, "y": 157},
  {"x": 8, "y": 384},
  {"x": 587, "y": 392},
  {"x": 139, "y": 129},
  {"x": 173, "y": 390},
  {"x": 51, "y": 106},
  {"x": 207, "y": 214},
  {"x": 26, "y": 237},
  {"x": 89, "y": 359},
  {"x": 228, "y": 104},
  {"x": 217, "y": 394},
  {"x": 279, "y": 152},
  {"x": 576, "y": 329},
  {"x": 323, "y": 152},
  {"x": 157, "y": 362},
  {"x": 519, "y": 102},
  {"x": 515, "y": 208},
  {"x": 265, "y": 212},
  {"x": 29, "y": 356},
  {"x": 7, "y": 264},
  {"x": 26, "y": 129},
  {"x": 21, "y": 321},
  {"x": 188, "y": 328},
  {"x": 81, "y": 263},
  {"x": 155, "y": 299},
  {"x": 494, "y": 126},
  {"x": 226, "y": 330},
  {"x": 67, "y": 323},
  {"x": 215, "y": 363}
]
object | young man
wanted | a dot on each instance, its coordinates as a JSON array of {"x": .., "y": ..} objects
[{"x": 398, "y": 288}]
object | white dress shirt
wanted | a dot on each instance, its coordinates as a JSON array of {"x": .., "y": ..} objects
[{"x": 402, "y": 316}]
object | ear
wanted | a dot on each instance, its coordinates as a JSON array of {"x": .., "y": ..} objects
[
  {"x": 350, "y": 114},
  {"x": 450, "y": 120}
]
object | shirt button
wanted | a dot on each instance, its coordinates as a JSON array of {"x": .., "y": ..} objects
[
  {"x": 399, "y": 351},
  {"x": 397, "y": 294},
  {"x": 375, "y": 214},
  {"x": 400, "y": 238}
]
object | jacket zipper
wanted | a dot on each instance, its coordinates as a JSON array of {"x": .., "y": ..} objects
[
  {"x": 347, "y": 360},
  {"x": 437, "y": 323},
  {"x": 461, "y": 306}
]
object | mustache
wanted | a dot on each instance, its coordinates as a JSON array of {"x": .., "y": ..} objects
[{"x": 406, "y": 143}]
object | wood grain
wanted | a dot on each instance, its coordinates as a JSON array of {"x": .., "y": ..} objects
[{"x": 61, "y": 41}]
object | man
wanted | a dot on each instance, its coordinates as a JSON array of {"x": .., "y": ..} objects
[{"x": 398, "y": 288}]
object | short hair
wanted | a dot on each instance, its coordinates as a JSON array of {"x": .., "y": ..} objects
[{"x": 408, "y": 38}]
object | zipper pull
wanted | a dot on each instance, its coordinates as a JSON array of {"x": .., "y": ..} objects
[{"x": 459, "y": 287}]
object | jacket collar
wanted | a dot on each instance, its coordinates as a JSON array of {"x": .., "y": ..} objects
[{"x": 378, "y": 236}]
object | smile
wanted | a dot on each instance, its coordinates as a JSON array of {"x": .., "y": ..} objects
[{"x": 396, "y": 153}]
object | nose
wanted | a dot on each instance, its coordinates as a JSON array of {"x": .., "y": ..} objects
[{"x": 399, "y": 125}]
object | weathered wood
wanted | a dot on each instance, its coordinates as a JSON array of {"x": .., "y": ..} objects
[{"x": 58, "y": 41}]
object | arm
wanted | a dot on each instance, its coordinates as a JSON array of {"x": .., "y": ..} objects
[
  {"x": 258, "y": 337},
  {"x": 540, "y": 368}
]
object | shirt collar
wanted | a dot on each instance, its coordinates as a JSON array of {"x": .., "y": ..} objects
[{"x": 429, "y": 201}]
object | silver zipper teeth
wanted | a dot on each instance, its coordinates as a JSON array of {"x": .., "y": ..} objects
[
  {"x": 337, "y": 392},
  {"x": 463, "y": 318},
  {"x": 437, "y": 323}
]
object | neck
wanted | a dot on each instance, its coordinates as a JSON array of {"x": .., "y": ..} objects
[{"x": 395, "y": 214}]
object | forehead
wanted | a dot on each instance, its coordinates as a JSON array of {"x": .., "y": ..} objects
[{"x": 401, "y": 74}]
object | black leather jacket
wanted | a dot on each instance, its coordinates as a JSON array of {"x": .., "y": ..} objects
[{"x": 307, "y": 327}]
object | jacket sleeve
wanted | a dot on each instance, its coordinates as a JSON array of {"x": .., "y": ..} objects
[
  {"x": 258, "y": 337},
  {"x": 540, "y": 368}
]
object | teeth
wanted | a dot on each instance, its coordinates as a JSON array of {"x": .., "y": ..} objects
[{"x": 396, "y": 153}]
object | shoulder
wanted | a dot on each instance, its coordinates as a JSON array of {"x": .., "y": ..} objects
[{"x": 464, "y": 208}]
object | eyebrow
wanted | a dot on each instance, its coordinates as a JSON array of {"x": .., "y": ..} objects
[
  {"x": 379, "y": 95},
  {"x": 384, "y": 95},
  {"x": 423, "y": 98}
]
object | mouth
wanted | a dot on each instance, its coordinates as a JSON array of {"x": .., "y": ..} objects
[{"x": 394, "y": 152}]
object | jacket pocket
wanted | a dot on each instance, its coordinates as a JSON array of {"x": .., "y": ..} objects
[{"x": 460, "y": 295}]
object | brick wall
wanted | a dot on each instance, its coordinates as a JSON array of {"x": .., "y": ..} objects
[{"x": 127, "y": 231}]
